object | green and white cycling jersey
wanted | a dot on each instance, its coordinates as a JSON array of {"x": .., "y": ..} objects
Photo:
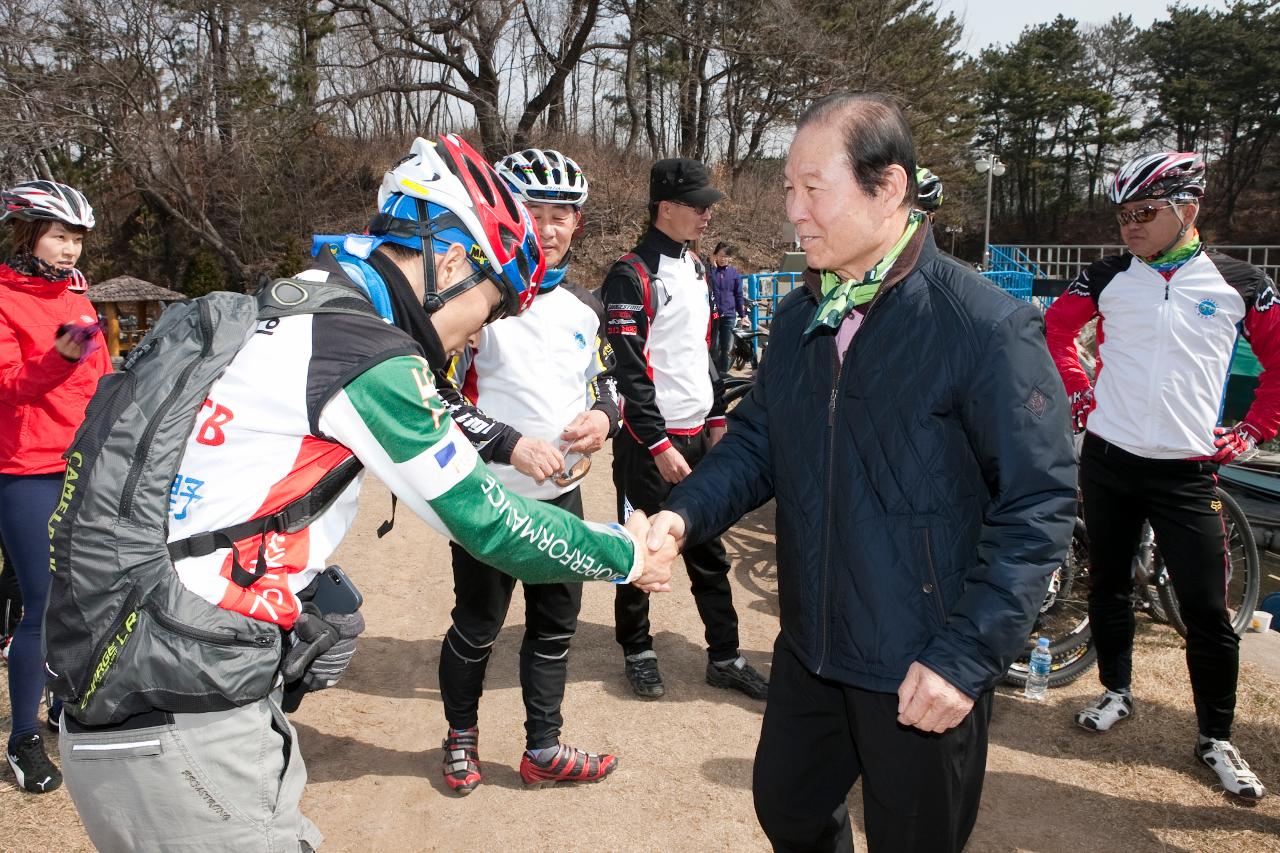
[{"x": 306, "y": 393}]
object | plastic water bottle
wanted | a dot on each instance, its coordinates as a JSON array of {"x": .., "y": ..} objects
[{"x": 1038, "y": 670}]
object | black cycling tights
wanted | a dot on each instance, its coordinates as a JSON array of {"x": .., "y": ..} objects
[{"x": 1179, "y": 498}]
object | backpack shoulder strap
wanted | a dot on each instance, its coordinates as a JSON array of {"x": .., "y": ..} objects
[
  {"x": 641, "y": 269},
  {"x": 291, "y": 518},
  {"x": 337, "y": 294}
]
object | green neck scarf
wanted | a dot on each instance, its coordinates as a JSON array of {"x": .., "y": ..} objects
[{"x": 841, "y": 297}]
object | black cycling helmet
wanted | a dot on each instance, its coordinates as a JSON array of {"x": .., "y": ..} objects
[{"x": 929, "y": 198}]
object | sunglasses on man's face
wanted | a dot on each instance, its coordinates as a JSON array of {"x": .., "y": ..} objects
[
  {"x": 1141, "y": 215},
  {"x": 700, "y": 209}
]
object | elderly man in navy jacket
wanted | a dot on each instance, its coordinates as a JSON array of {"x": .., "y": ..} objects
[{"x": 911, "y": 426}]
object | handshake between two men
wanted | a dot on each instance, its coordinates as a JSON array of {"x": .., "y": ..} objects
[{"x": 660, "y": 550}]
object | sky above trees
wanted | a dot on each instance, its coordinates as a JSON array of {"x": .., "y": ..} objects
[{"x": 997, "y": 22}]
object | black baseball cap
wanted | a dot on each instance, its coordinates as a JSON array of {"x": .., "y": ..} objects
[{"x": 683, "y": 180}]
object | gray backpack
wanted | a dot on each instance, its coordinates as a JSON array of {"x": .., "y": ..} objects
[{"x": 122, "y": 635}]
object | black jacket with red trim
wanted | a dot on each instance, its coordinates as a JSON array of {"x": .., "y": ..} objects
[{"x": 658, "y": 308}]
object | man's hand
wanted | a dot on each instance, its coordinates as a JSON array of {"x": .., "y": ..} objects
[
  {"x": 534, "y": 458},
  {"x": 1082, "y": 403},
  {"x": 717, "y": 433},
  {"x": 671, "y": 465},
  {"x": 929, "y": 702},
  {"x": 660, "y": 551},
  {"x": 586, "y": 433},
  {"x": 666, "y": 523},
  {"x": 1235, "y": 443}
]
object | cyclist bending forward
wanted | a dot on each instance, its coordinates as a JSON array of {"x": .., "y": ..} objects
[
  {"x": 305, "y": 393},
  {"x": 1171, "y": 312}
]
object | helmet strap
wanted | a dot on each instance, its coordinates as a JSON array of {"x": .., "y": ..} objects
[
  {"x": 431, "y": 301},
  {"x": 406, "y": 307},
  {"x": 1182, "y": 232},
  {"x": 437, "y": 301},
  {"x": 425, "y": 228}
]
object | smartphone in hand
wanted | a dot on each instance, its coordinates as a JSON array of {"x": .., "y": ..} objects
[
  {"x": 81, "y": 333},
  {"x": 335, "y": 593}
]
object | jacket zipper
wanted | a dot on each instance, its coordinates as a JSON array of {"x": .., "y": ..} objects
[
  {"x": 261, "y": 641},
  {"x": 832, "y": 405},
  {"x": 144, "y": 444},
  {"x": 830, "y": 522},
  {"x": 1165, "y": 320},
  {"x": 933, "y": 577}
]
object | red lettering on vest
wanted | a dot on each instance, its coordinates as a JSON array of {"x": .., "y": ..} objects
[{"x": 210, "y": 431}]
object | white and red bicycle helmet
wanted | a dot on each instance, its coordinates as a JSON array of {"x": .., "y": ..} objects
[
  {"x": 1166, "y": 174},
  {"x": 444, "y": 190},
  {"x": 49, "y": 201},
  {"x": 77, "y": 283}
]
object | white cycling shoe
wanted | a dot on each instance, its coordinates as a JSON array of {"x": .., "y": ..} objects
[
  {"x": 1107, "y": 710},
  {"x": 1233, "y": 771}
]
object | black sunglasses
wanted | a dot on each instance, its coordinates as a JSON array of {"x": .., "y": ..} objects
[{"x": 700, "y": 209}]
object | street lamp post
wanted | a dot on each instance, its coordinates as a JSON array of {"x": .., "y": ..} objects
[
  {"x": 953, "y": 230},
  {"x": 992, "y": 166}
]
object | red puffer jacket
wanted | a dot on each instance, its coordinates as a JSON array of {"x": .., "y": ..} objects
[{"x": 42, "y": 395}]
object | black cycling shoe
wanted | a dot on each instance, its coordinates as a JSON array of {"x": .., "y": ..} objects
[
  {"x": 738, "y": 675},
  {"x": 642, "y": 672}
]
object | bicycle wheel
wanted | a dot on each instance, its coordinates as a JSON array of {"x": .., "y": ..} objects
[
  {"x": 1147, "y": 567},
  {"x": 736, "y": 391},
  {"x": 1064, "y": 619},
  {"x": 1244, "y": 571},
  {"x": 1151, "y": 598}
]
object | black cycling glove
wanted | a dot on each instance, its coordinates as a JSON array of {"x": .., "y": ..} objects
[{"x": 323, "y": 646}]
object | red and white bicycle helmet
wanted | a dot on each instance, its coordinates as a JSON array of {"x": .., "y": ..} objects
[
  {"x": 444, "y": 190},
  {"x": 1166, "y": 174},
  {"x": 76, "y": 282},
  {"x": 544, "y": 177},
  {"x": 47, "y": 200}
]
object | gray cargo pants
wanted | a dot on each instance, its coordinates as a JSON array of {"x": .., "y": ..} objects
[{"x": 218, "y": 781}]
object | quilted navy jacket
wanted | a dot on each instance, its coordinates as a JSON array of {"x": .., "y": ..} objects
[{"x": 926, "y": 487}]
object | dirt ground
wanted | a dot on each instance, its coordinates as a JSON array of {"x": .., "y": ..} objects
[{"x": 372, "y": 744}]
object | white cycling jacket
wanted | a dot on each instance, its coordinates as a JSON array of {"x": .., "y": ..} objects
[
  {"x": 1165, "y": 349},
  {"x": 536, "y": 373},
  {"x": 659, "y": 321}
]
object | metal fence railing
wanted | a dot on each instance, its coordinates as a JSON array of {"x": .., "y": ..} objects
[
  {"x": 1066, "y": 262},
  {"x": 764, "y": 289},
  {"x": 1012, "y": 271}
]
